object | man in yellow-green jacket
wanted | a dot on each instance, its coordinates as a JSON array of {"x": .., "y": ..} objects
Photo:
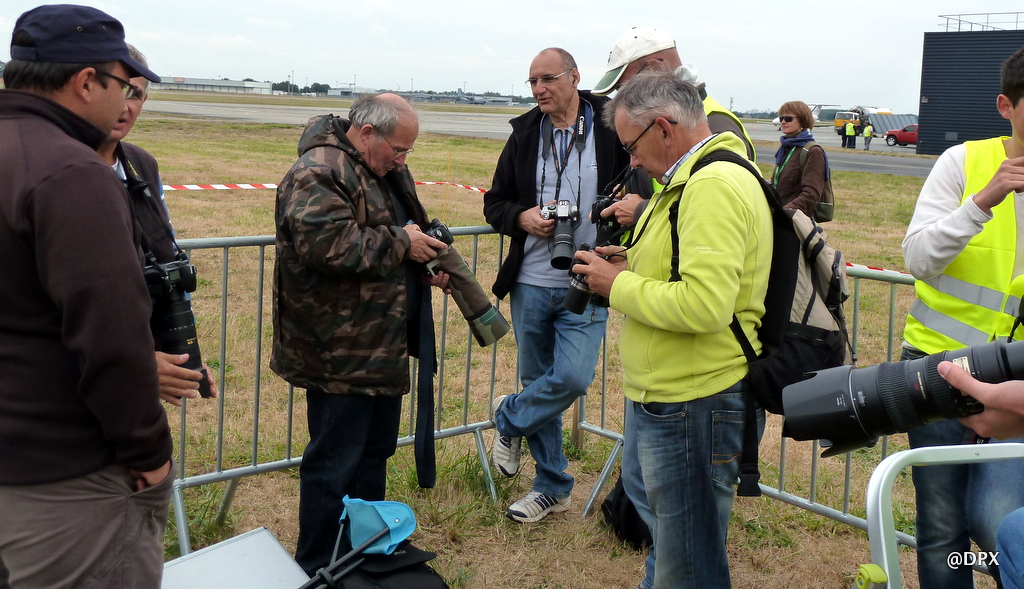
[{"x": 682, "y": 364}]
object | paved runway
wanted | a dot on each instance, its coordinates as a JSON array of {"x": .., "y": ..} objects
[{"x": 495, "y": 126}]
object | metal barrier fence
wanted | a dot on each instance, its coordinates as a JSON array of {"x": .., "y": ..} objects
[{"x": 463, "y": 402}]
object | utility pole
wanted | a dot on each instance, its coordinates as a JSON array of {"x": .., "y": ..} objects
[{"x": 291, "y": 82}]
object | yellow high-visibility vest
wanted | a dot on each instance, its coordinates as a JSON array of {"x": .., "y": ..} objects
[
  {"x": 975, "y": 299},
  {"x": 868, "y": 130},
  {"x": 849, "y": 129}
]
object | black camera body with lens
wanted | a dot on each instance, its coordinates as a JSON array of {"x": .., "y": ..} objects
[
  {"x": 849, "y": 408},
  {"x": 579, "y": 295},
  {"x": 609, "y": 231},
  {"x": 566, "y": 215},
  {"x": 173, "y": 321}
]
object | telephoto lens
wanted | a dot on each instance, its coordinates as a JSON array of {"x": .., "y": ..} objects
[
  {"x": 578, "y": 295},
  {"x": 849, "y": 408},
  {"x": 566, "y": 215}
]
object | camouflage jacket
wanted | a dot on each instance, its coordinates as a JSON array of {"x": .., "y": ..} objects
[{"x": 340, "y": 310}]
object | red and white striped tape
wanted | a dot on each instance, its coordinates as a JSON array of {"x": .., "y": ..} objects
[
  {"x": 875, "y": 268},
  {"x": 169, "y": 187}
]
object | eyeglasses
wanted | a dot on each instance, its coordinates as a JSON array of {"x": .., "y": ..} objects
[
  {"x": 127, "y": 88},
  {"x": 398, "y": 152},
  {"x": 546, "y": 80},
  {"x": 629, "y": 148},
  {"x": 787, "y": 118}
]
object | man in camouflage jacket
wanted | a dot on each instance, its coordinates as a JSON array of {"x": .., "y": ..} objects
[{"x": 348, "y": 299}]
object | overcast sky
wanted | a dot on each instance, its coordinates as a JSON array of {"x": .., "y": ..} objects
[{"x": 757, "y": 54}]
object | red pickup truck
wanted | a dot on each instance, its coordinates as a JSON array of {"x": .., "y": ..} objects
[{"x": 905, "y": 136}]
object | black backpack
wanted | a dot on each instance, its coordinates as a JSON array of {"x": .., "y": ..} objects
[{"x": 803, "y": 328}]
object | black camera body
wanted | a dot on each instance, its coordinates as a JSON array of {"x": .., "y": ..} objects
[
  {"x": 848, "y": 408},
  {"x": 579, "y": 294},
  {"x": 566, "y": 215},
  {"x": 608, "y": 229},
  {"x": 440, "y": 232},
  {"x": 174, "y": 323}
]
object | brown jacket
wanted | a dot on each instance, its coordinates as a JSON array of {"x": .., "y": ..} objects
[
  {"x": 78, "y": 380},
  {"x": 801, "y": 189}
]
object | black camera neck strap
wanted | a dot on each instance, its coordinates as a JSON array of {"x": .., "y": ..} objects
[{"x": 579, "y": 130}]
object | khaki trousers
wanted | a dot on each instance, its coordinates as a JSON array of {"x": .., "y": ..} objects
[{"x": 92, "y": 531}]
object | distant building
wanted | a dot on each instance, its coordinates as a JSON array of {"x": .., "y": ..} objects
[
  {"x": 206, "y": 85},
  {"x": 960, "y": 79}
]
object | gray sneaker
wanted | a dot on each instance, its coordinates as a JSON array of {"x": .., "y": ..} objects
[
  {"x": 535, "y": 506},
  {"x": 506, "y": 451}
]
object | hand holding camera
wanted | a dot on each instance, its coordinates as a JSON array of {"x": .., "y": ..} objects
[
  {"x": 593, "y": 274},
  {"x": 533, "y": 223},
  {"x": 424, "y": 247}
]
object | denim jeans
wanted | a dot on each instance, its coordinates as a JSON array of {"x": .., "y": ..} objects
[
  {"x": 351, "y": 439},
  {"x": 633, "y": 484},
  {"x": 1010, "y": 544},
  {"x": 958, "y": 502},
  {"x": 689, "y": 456},
  {"x": 558, "y": 352}
]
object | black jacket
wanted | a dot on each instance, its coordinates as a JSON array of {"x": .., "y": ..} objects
[{"x": 514, "y": 187}]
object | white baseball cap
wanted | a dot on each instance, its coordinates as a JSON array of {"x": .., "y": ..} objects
[{"x": 636, "y": 43}]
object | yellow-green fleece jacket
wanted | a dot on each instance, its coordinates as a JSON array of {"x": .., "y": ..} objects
[{"x": 675, "y": 344}]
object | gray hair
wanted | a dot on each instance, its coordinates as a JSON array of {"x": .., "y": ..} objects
[
  {"x": 382, "y": 113},
  {"x": 650, "y": 95},
  {"x": 137, "y": 55}
]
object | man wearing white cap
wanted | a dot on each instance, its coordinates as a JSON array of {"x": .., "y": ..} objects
[{"x": 643, "y": 48}]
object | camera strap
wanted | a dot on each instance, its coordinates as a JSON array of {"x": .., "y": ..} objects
[{"x": 584, "y": 123}]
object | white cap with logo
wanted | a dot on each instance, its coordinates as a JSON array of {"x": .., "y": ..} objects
[{"x": 636, "y": 43}]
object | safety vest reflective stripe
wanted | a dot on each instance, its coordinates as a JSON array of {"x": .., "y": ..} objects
[
  {"x": 974, "y": 294},
  {"x": 964, "y": 335}
]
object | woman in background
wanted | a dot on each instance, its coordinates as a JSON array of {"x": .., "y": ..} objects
[{"x": 799, "y": 186}]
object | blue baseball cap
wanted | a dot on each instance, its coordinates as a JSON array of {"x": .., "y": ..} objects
[{"x": 68, "y": 33}]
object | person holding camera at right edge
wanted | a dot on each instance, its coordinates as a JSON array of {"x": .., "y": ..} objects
[
  {"x": 964, "y": 247},
  {"x": 140, "y": 175},
  {"x": 85, "y": 466},
  {"x": 682, "y": 364},
  {"x": 560, "y": 154}
]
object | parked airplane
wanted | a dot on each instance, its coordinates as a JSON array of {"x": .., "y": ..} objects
[
  {"x": 815, "y": 111},
  {"x": 463, "y": 98}
]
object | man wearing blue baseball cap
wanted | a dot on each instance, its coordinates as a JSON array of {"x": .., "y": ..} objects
[{"x": 85, "y": 470}]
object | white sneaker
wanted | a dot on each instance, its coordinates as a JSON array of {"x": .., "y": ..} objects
[
  {"x": 535, "y": 506},
  {"x": 506, "y": 451}
]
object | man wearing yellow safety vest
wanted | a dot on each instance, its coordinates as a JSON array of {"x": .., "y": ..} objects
[
  {"x": 851, "y": 135},
  {"x": 639, "y": 49},
  {"x": 964, "y": 247},
  {"x": 868, "y": 136}
]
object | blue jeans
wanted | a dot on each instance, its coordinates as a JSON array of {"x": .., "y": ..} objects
[
  {"x": 958, "y": 502},
  {"x": 351, "y": 439},
  {"x": 1010, "y": 544},
  {"x": 689, "y": 456},
  {"x": 558, "y": 352},
  {"x": 633, "y": 484}
]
